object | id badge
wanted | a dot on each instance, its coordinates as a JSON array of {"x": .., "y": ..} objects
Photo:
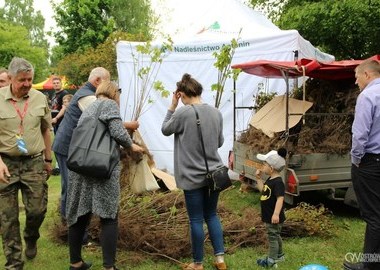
[{"x": 21, "y": 145}]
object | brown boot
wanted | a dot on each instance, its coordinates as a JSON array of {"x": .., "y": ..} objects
[{"x": 220, "y": 266}]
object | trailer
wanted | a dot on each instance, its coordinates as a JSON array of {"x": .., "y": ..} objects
[{"x": 311, "y": 171}]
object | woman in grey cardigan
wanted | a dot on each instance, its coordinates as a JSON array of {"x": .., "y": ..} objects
[
  {"x": 87, "y": 195},
  {"x": 189, "y": 165}
]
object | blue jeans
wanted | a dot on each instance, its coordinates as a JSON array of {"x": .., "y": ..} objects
[
  {"x": 62, "y": 163},
  {"x": 201, "y": 206}
]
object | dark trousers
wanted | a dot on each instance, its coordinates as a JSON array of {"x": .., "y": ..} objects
[
  {"x": 108, "y": 239},
  {"x": 275, "y": 240},
  {"x": 366, "y": 183},
  {"x": 62, "y": 162}
]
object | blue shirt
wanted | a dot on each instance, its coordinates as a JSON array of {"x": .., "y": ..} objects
[{"x": 366, "y": 126}]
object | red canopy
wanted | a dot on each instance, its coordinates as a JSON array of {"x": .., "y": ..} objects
[{"x": 335, "y": 70}]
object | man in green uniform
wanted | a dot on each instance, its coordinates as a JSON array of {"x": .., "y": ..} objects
[{"x": 25, "y": 161}]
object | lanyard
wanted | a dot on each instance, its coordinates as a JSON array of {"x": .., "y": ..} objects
[{"x": 21, "y": 114}]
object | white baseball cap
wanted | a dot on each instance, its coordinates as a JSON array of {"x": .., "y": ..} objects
[{"x": 274, "y": 160}]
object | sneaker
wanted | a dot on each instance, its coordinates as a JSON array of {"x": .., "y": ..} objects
[
  {"x": 280, "y": 258},
  {"x": 55, "y": 171},
  {"x": 267, "y": 262},
  {"x": 354, "y": 266}
]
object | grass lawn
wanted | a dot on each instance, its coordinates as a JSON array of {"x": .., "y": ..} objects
[{"x": 299, "y": 251}]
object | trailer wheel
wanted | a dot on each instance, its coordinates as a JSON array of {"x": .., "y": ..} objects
[{"x": 350, "y": 198}]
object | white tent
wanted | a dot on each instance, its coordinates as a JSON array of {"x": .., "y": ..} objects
[{"x": 193, "y": 54}]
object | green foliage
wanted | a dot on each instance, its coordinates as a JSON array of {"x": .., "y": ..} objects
[
  {"x": 83, "y": 24},
  {"x": 22, "y": 34},
  {"x": 57, "y": 54},
  {"x": 263, "y": 98},
  {"x": 21, "y": 12},
  {"x": 273, "y": 8},
  {"x": 15, "y": 41},
  {"x": 223, "y": 64},
  {"x": 346, "y": 29},
  {"x": 87, "y": 23},
  {"x": 147, "y": 62},
  {"x": 316, "y": 219},
  {"x": 77, "y": 66},
  {"x": 133, "y": 16}
]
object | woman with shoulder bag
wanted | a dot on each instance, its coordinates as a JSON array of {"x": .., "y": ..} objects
[
  {"x": 88, "y": 195},
  {"x": 190, "y": 168}
]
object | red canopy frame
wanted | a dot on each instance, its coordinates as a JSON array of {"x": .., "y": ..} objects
[{"x": 335, "y": 70}]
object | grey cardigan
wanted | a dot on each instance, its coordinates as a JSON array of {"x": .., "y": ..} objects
[{"x": 189, "y": 165}]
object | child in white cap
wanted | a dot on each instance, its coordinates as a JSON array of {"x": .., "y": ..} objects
[{"x": 272, "y": 201}]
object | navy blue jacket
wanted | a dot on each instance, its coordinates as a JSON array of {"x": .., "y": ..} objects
[{"x": 72, "y": 114}]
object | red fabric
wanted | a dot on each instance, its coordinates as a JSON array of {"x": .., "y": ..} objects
[
  {"x": 335, "y": 70},
  {"x": 49, "y": 84}
]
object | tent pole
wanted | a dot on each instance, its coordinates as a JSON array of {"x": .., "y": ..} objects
[
  {"x": 285, "y": 75},
  {"x": 295, "y": 60},
  {"x": 234, "y": 110}
]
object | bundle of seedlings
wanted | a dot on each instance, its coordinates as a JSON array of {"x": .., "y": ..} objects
[
  {"x": 309, "y": 220},
  {"x": 158, "y": 225},
  {"x": 245, "y": 230},
  {"x": 325, "y": 128},
  {"x": 155, "y": 224}
]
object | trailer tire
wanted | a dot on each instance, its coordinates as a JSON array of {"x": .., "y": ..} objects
[{"x": 350, "y": 198}]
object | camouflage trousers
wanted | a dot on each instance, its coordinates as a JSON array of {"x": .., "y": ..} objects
[{"x": 29, "y": 177}]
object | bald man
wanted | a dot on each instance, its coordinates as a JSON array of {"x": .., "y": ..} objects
[{"x": 80, "y": 101}]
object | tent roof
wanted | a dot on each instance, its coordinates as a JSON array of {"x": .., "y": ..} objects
[
  {"x": 212, "y": 19},
  {"x": 40, "y": 85},
  {"x": 335, "y": 70},
  {"x": 48, "y": 83},
  {"x": 211, "y": 26}
]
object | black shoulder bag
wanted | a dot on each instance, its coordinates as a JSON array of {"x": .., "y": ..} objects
[
  {"x": 92, "y": 151},
  {"x": 219, "y": 179}
]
